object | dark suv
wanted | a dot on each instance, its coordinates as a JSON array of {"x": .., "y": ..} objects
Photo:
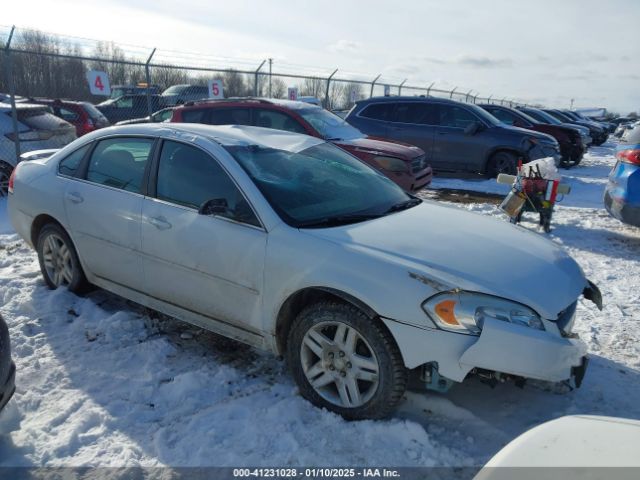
[
  {"x": 597, "y": 132},
  {"x": 571, "y": 147},
  {"x": 457, "y": 137},
  {"x": 129, "y": 106},
  {"x": 406, "y": 165}
]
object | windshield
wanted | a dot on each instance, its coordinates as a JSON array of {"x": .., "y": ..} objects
[
  {"x": 320, "y": 186},
  {"x": 174, "y": 90},
  {"x": 560, "y": 116},
  {"x": 528, "y": 117},
  {"x": 482, "y": 113},
  {"x": 544, "y": 117},
  {"x": 329, "y": 125}
]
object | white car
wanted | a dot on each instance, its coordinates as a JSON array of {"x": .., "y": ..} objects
[
  {"x": 290, "y": 244},
  {"x": 37, "y": 129},
  {"x": 574, "y": 447}
]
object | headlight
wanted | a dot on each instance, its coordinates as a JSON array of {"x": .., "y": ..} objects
[
  {"x": 466, "y": 312},
  {"x": 391, "y": 164}
]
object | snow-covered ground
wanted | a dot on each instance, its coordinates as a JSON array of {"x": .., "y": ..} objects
[{"x": 105, "y": 382}]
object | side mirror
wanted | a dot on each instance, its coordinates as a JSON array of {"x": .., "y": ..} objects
[
  {"x": 215, "y": 206},
  {"x": 472, "y": 128}
]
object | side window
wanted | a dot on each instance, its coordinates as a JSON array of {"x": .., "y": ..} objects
[
  {"x": 68, "y": 115},
  {"x": 195, "y": 115},
  {"x": 456, "y": 117},
  {"x": 278, "y": 120},
  {"x": 120, "y": 162},
  {"x": 69, "y": 165},
  {"x": 229, "y": 116},
  {"x": 125, "y": 102},
  {"x": 189, "y": 176},
  {"x": 504, "y": 116},
  {"x": 378, "y": 111},
  {"x": 419, "y": 113}
]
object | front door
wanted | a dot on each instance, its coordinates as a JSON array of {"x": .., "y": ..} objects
[
  {"x": 211, "y": 264},
  {"x": 453, "y": 149},
  {"x": 415, "y": 123}
]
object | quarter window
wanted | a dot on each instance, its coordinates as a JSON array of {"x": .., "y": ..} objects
[
  {"x": 417, "y": 113},
  {"x": 189, "y": 176},
  {"x": 120, "y": 163},
  {"x": 278, "y": 120},
  {"x": 456, "y": 117},
  {"x": 69, "y": 165},
  {"x": 505, "y": 117}
]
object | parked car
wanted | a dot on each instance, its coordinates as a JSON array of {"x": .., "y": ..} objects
[
  {"x": 139, "y": 89},
  {"x": 291, "y": 244},
  {"x": 456, "y": 136},
  {"x": 404, "y": 164},
  {"x": 37, "y": 129},
  {"x": 6, "y": 98},
  {"x": 7, "y": 367},
  {"x": 163, "y": 115},
  {"x": 128, "y": 106},
  {"x": 579, "y": 118},
  {"x": 544, "y": 117},
  {"x": 571, "y": 147},
  {"x": 310, "y": 99},
  {"x": 623, "y": 128},
  {"x": 82, "y": 115},
  {"x": 622, "y": 193},
  {"x": 573, "y": 447},
  {"x": 596, "y": 132},
  {"x": 179, "y": 94}
]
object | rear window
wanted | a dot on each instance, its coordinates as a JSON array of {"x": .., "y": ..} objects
[
  {"x": 378, "y": 111},
  {"x": 93, "y": 112},
  {"x": 39, "y": 119}
]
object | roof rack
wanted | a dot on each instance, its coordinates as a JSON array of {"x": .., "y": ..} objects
[{"x": 229, "y": 99}]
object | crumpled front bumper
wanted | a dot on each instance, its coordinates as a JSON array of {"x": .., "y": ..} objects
[{"x": 501, "y": 347}]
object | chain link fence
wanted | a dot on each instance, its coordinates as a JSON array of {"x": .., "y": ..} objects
[{"x": 50, "y": 71}]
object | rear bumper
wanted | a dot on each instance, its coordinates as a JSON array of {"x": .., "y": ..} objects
[
  {"x": 8, "y": 388},
  {"x": 620, "y": 209}
]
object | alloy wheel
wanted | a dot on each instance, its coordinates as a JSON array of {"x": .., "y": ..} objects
[{"x": 57, "y": 260}]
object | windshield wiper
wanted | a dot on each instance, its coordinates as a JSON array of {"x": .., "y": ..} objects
[
  {"x": 412, "y": 202},
  {"x": 338, "y": 220}
]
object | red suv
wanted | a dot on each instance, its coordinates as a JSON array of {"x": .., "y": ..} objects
[
  {"x": 82, "y": 115},
  {"x": 405, "y": 164}
]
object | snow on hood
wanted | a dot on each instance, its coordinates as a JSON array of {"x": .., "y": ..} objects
[{"x": 471, "y": 252}]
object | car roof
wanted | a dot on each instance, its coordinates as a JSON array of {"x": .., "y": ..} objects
[
  {"x": 288, "y": 104},
  {"x": 225, "y": 135},
  {"x": 404, "y": 98}
]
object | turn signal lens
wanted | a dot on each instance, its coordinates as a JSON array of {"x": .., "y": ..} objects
[{"x": 445, "y": 310}]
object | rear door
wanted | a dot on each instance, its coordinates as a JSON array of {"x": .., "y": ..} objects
[
  {"x": 453, "y": 149},
  {"x": 415, "y": 123},
  {"x": 104, "y": 206},
  {"x": 373, "y": 119},
  {"x": 209, "y": 264}
]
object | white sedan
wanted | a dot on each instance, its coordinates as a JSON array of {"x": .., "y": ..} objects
[{"x": 289, "y": 244}]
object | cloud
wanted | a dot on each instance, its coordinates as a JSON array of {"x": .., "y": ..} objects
[
  {"x": 345, "y": 46},
  {"x": 472, "y": 61}
]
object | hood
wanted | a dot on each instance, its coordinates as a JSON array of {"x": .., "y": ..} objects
[
  {"x": 373, "y": 146},
  {"x": 530, "y": 133},
  {"x": 469, "y": 251}
]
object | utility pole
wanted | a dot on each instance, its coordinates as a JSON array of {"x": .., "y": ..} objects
[
  {"x": 571, "y": 107},
  {"x": 270, "y": 65}
]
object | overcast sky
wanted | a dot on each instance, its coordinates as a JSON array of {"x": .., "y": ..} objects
[{"x": 546, "y": 51}]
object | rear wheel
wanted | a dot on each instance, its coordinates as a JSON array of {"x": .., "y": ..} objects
[
  {"x": 346, "y": 362},
  {"x": 502, "y": 162},
  {"x": 58, "y": 259},
  {"x": 5, "y": 174}
]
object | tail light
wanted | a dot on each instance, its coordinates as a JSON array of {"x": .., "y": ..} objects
[
  {"x": 11, "y": 180},
  {"x": 88, "y": 126},
  {"x": 630, "y": 155}
]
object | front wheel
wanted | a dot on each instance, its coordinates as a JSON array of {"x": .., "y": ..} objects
[
  {"x": 502, "y": 162},
  {"x": 58, "y": 259},
  {"x": 346, "y": 362}
]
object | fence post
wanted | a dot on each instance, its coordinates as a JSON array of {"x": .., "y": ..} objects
[
  {"x": 489, "y": 99},
  {"x": 147, "y": 75},
  {"x": 327, "y": 103},
  {"x": 400, "y": 87},
  {"x": 12, "y": 93},
  {"x": 255, "y": 80},
  {"x": 452, "y": 92},
  {"x": 466, "y": 97},
  {"x": 429, "y": 89},
  {"x": 373, "y": 84}
]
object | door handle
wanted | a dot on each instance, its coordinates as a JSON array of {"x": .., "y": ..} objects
[
  {"x": 74, "y": 197},
  {"x": 160, "y": 223}
]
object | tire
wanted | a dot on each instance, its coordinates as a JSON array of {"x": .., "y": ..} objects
[
  {"x": 5, "y": 173},
  {"x": 58, "y": 260},
  {"x": 344, "y": 371},
  {"x": 502, "y": 162}
]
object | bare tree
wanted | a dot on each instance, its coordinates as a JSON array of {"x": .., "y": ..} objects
[
  {"x": 234, "y": 84},
  {"x": 313, "y": 87},
  {"x": 278, "y": 88}
]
